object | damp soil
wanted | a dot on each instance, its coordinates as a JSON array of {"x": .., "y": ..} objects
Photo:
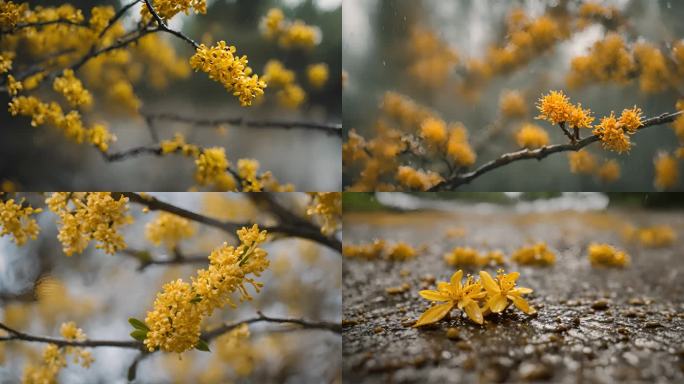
[{"x": 595, "y": 325}]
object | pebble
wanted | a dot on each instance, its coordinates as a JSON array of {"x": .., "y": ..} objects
[
  {"x": 378, "y": 329},
  {"x": 534, "y": 372},
  {"x": 453, "y": 333},
  {"x": 600, "y": 305}
]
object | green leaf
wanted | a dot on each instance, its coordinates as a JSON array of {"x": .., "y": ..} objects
[
  {"x": 196, "y": 299},
  {"x": 139, "y": 335},
  {"x": 137, "y": 324},
  {"x": 202, "y": 346}
]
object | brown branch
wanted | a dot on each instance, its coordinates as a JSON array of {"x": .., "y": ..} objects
[
  {"x": 304, "y": 324},
  {"x": 328, "y": 128},
  {"x": 540, "y": 153},
  {"x": 18, "y": 335},
  {"x": 299, "y": 229},
  {"x": 163, "y": 27},
  {"x": 21, "y": 26}
]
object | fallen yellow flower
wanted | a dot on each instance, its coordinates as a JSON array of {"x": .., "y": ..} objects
[
  {"x": 503, "y": 289},
  {"x": 453, "y": 294},
  {"x": 607, "y": 255}
]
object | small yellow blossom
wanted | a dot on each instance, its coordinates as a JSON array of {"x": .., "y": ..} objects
[
  {"x": 275, "y": 74},
  {"x": 248, "y": 170},
  {"x": 580, "y": 117},
  {"x": 13, "y": 86},
  {"x": 273, "y": 23},
  {"x": 503, "y": 289},
  {"x": 225, "y": 67},
  {"x": 401, "y": 251},
  {"x": 453, "y": 294},
  {"x": 464, "y": 256},
  {"x": 15, "y": 220},
  {"x": 630, "y": 119},
  {"x": 612, "y": 135},
  {"x": 554, "y": 107},
  {"x": 458, "y": 147},
  {"x": 531, "y": 136},
  {"x": 582, "y": 161},
  {"x": 100, "y": 137},
  {"x": 211, "y": 165},
  {"x": 415, "y": 179},
  {"x": 327, "y": 206},
  {"x": 167, "y": 9},
  {"x": 369, "y": 251},
  {"x": 434, "y": 132},
  {"x": 169, "y": 229},
  {"x": 536, "y": 254},
  {"x": 291, "y": 96},
  {"x": 72, "y": 89},
  {"x": 666, "y": 171},
  {"x": 606, "y": 255},
  {"x": 299, "y": 35},
  {"x": 317, "y": 74},
  {"x": 71, "y": 332},
  {"x": 653, "y": 237},
  {"x": 609, "y": 171},
  {"x": 512, "y": 104}
]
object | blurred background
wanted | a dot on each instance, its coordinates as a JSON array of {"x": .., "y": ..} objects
[
  {"x": 389, "y": 46},
  {"x": 41, "y": 159},
  {"x": 40, "y": 288}
]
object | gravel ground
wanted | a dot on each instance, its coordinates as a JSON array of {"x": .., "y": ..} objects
[{"x": 593, "y": 325}]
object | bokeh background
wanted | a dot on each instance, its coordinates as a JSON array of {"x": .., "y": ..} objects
[
  {"x": 41, "y": 159},
  {"x": 40, "y": 288},
  {"x": 377, "y": 54}
]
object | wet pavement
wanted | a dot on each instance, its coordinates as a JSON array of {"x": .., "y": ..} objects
[{"x": 595, "y": 325}]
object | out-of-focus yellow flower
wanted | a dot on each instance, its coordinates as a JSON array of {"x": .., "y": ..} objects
[
  {"x": 72, "y": 89},
  {"x": 536, "y": 254},
  {"x": 608, "y": 60},
  {"x": 458, "y": 148},
  {"x": 327, "y": 206},
  {"x": 167, "y": 9},
  {"x": 299, "y": 35},
  {"x": 460, "y": 256},
  {"x": 100, "y": 137},
  {"x": 169, "y": 229},
  {"x": 275, "y": 74},
  {"x": 13, "y": 86},
  {"x": 652, "y": 237},
  {"x": 654, "y": 74},
  {"x": 612, "y": 135},
  {"x": 531, "y": 136},
  {"x": 401, "y": 251},
  {"x": 434, "y": 132},
  {"x": 415, "y": 179},
  {"x": 15, "y": 220},
  {"x": 211, "y": 165},
  {"x": 666, "y": 171},
  {"x": 317, "y": 74},
  {"x": 273, "y": 23},
  {"x": 512, "y": 104},
  {"x": 582, "y": 161},
  {"x": 503, "y": 289},
  {"x": 369, "y": 251},
  {"x": 453, "y": 294},
  {"x": 609, "y": 171},
  {"x": 606, "y": 255}
]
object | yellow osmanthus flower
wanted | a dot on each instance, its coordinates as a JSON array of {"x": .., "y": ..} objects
[
  {"x": 11, "y": 13},
  {"x": 178, "y": 143},
  {"x": 582, "y": 161},
  {"x": 613, "y": 136},
  {"x": 327, "y": 206},
  {"x": 291, "y": 96},
  {"x": 299, "y": 35},
  {"x": 531, "y": 136},
  {"x": 630, "y": 119},
  {"x": 609, "y": 60},
  {"x": 609, "y": 171},
  {"x": 370, "y": 251},
  {"x": 580, "y": 117},
  {"x": 666, "y": 171},
  {"x": 100, "y": 137},
  {"x": 166, "y": 9},
  {"x": 453, "y": 294},
  {"x": 655, "y": 75},
  {"x": 13, "y": 86},
  {"x": 401, "y": 251},
  {"x": 464, "y": 256},
  {"x": 415, "y": 179},
  {"x": 72, "y": 89},
  {"x": 536, "y": 254},
  {"x": 175, "y": 321},
  {"x": 212, "y": 165},
  {"x": 273, "y": 23},
  {"x": 169, "y": 229},
  {"x": 6, "y": 60},
  {"x": 275, "y": 74},
  {"x": 434, "y": 132},
  {"x": 15, "y": 220},
  {"x": 512, "y": 104},
  {"x": 225, "y": 67},
  {"x": 653, "y": 237},
  {"x": 503, "y": 289},
  {"x": 554, "y": 107},
  {"x": 606, "y": 255},
  {"x": 248, "y": 170},
  {"x": 458, "y": 148},
  {"x": 55, "y": 358},
  {"x": 84, "y": 217},
  {"x": 317, "y": 74}
]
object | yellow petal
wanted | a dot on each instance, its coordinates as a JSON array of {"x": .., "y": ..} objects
[
  {"x": 456, "y": 278},
  {"x": 521, "y": 304},
  {"x": 433, "y": 295},
  {"x": 443, "y": 287},
  {"x": 434, "y": 314},
  {"x": 497, "y": 303},
  {"x": 512, "y": 277},
  {"x": 521, "y": 291},
  {"x": 490, "y": 285},
  {"x": 474, "y": 313}
]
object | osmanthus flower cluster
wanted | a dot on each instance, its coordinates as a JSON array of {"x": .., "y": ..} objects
[
  {"x": 167, "y": 9},
  {"x": 584, "y": 162},
  {"x": 327, "y": 207},
  {"x": 54, "y": 358},
  {"x": 16, "y": 220},
  {"x": 380, "y": 250},
  {"x": 433, "y": 60},
  {"x": 652, "y": 237},
  {"x": 666, "y": 171},
  {"x": 174, "y": 323},
  {"x": 462, "y": 256},
  {"x": 212, "y": 168},
  {"x": 290, "y": 94},
  {"x": 475, "y": 298},
  {"x": 90, "y": 216},
  {"x": 169, "y": 229},
  {"x": 224, "y": 66},
  {"x": 536, "y": 254},
  {"x": 289, "y": 34},
  {"x": 606, "y": 255},
  {"x": 531, "y": 136}
]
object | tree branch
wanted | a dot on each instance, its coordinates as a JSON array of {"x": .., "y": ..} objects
[
  {"x": 540, "y": 153},
  {"x": 328, "y": 128},
  {"x": 163, "y": 27},
  {"x": 308, "y": 231},
  {"x": 18, "y": 335},
  {"x": 21, "y": 26}
]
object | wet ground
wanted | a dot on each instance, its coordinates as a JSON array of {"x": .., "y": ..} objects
[{"x": 593, "y": 325}]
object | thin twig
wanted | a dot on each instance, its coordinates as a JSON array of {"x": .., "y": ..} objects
[
  {"x": 163, "y": 27},
  {"x": 21, "y": 26},
  {"x": 18, "y": 335},
  {"x": 304, "y": 230},
  {"x": 328, "y": 128},
  {"x": 540, "y": 153},
  {"x": 323, "y": 325}
]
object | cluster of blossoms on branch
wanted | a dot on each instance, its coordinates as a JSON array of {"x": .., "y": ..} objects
[
  {"x": 289, "y": 34},
  {"x": 327, "y": 207},
  {"x": 657, "y": 236},
  {"x": 380, "y": 249},
  {"x": 55, "y": 357},
  {"x": 16, "y": 220},
  {"x": 476, "y": 298},
  {"x": 168, "y": 229},
  {"x": 174, "y": 323},
  {"x": 90, "y": 216}
]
